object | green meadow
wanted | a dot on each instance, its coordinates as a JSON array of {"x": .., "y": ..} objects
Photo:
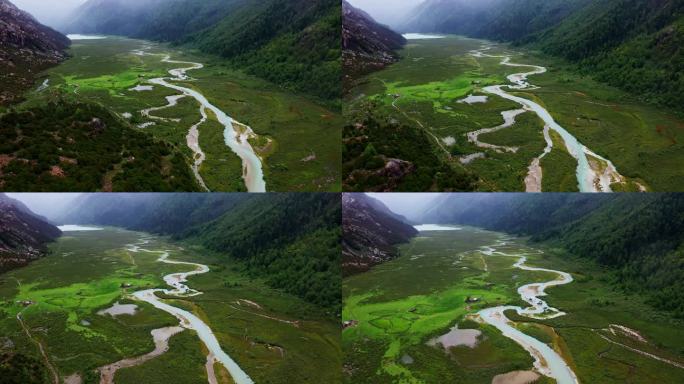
[
  {"x": 422, "y": 90},
  {"x": 399, "y": 306},
  {"x": 298, "y": 138},
  {"x": 86, "y": 272}
]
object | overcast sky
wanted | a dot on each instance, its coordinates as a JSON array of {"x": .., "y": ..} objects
[
  {"x": 45, "y": 204},
  {"x": 49, "y": 12},
  {"x": 387, "y": 12},
  {"x": 406, "y": 204}
]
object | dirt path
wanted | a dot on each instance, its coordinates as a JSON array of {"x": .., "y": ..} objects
[
  {"x": 53, "y": 370},
  {"x": 666, "y": 361}
]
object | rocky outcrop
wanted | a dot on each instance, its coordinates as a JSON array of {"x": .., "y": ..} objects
[
  {"x": 367, "y": 45},
  {"x": 23, "y": 234},
  {"x": 28, "y": 47},
  {"x": 370, "y": 232}
]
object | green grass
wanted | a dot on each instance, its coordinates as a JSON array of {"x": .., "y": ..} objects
[
  {"x": 83, "y": 274},
  {"x": 559, "y": 168},
  {"x": 103, "y": 71},
  {"x": 643, "y": 142},
  {"x": 402, "y": 304}
]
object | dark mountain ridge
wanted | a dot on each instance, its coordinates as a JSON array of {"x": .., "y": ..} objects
[
  {"x": 366, "y": 44},
  {"x": 27, "y": 47},
  {"x": 23, "y": 234},
  {"x": 371, "y": 232}
]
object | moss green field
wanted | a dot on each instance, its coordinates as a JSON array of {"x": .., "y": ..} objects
[
  {"x": 299, "y": 138},
  {"x": 398, "y": 306},
  {"x": 424, "y": 87},
  {"x": 282, "y": 340}
]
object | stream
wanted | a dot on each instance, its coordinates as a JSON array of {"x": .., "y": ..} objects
[
  {"x": 235, "y": 134},
  {"x": 187, "y": 319},
  {"x": 594, "y": 173},
  {"x": 546, "y": 360}
]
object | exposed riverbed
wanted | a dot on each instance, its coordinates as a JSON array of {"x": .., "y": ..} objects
[
  {"x": 594, "y": 172},
  {"x": 236, "y": 135},
  {"x": 547, "y": 361},
  {"x": 188, "y": 320}
]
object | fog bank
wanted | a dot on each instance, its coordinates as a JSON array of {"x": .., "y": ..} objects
[
  {"x": 390, "y": 12},
  {"x": 49, "y": 205},
  {"x": 49, "y": 12},
  {"x": 409, "y": 205}
]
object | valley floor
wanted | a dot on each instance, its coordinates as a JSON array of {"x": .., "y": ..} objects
[
  {"x": 295, "y": 137},
  {"x": 440, "y": 87},
  {"x": 400, "y": 315},
  {"x": 73, "y": 312}
]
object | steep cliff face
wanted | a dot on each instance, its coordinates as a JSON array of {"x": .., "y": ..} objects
[
  {"x": 27, "y": 47},
  {"x": 23, "y": 235},
  {"x": 370, "y": 233},
  {"x": 367, "y": 45}
]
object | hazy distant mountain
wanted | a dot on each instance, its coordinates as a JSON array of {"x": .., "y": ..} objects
[
  {"x": 28, "y": 47},
  {"x": 494, "y": 19},
  {"x": 370, "y": 232},
  {"x": 165, "y": 214},
  {"x": 367, "y": 45},
  {"x": 631, "y": 44},
  {"x": 23, "y": 235},
  {"x": 113, "y": 17}
]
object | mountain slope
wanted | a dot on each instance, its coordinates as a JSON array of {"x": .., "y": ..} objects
[
  {"x": 370, "y": 233},
  {"x": 23, "y": 235},
  {"x": 630, "y": 44},
  {"x": 28, "y": 47},
  {"x": 366, "y": 45},
  {"x": 639, "y": 236},
  {"x": 293, "y": 43}
]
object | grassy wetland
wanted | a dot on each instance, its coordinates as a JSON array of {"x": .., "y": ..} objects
[
  {"x": 439, "y": 87},
  {"x": 418, "y": 319},
  {"x": 73, "y": 312},
  {"x": 287, "y": 127}
]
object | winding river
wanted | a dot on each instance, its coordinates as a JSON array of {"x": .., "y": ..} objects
[
  {"x": 594, "y": 172},
  {"x": 546, "y": 360},
  {"x": 235, "y": 134},
  {"x": 187, "y": 319}
]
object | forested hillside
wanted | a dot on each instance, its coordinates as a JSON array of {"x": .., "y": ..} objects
[
  {"x": 68, "y": 146},
  {"x": 293, "y": 43},
  {"x": 640, "y": 236},
  {"x": 630, "y": 44},
  {"x": 291, "y": 240}
]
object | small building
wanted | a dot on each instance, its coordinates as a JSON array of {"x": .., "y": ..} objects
[
  {"x": 472, "y": 299},
  {"x": 349, "y": 324},
  {"x": 126, "y": 285}
]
